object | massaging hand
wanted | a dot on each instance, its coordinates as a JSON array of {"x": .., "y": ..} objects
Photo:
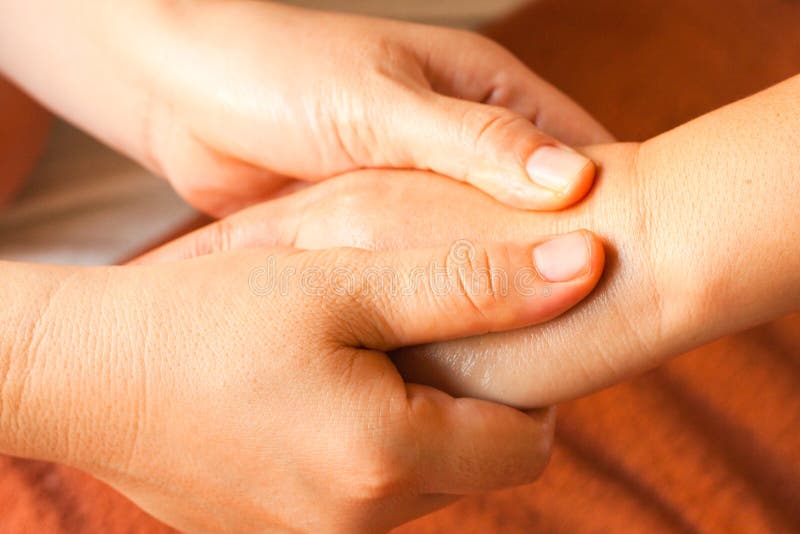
[
  {"x": 230, "y": 100},
  {"x": 702, "y": 223},
  {"x": 250, "y": 391}
]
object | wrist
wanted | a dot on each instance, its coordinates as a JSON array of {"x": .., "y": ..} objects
[
  {"x": 29, "y": 410},
  {"x": 725, "y": 241},
  {"x": 60, "y": 396}
]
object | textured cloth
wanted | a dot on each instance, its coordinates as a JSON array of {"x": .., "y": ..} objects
[{"x": 709, "y": 442}]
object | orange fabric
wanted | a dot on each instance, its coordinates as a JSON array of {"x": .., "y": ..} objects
[
  {"x": 709, "y": 442},
  {"x": 23, "y": 132}
]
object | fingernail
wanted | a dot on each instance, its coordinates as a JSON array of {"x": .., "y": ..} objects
[
  {"x": 555, "y": 168},
  {"x": 563, "y": 259}
]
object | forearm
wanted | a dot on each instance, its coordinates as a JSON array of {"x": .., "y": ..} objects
[
  {"x": 724, "y": 192},
  {"x": 78, "y": 57}
]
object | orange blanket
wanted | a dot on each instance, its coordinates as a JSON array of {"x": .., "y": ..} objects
[{"x": 708, "y": 443}]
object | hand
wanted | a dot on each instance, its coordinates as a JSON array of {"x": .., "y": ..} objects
[
  {"x": 234, "y": 100},
  {"x": 602, "y": 340},
  {"x": 701, "y": 223},
  {"x": 251, "y": 391},
  {"x": 274, "y": 91}
]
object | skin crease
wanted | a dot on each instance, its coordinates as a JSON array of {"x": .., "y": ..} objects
[
  {"x": 683, "y": 216},
  {"x": 204, "y": 93},
  {"x": 178, "y": 385}
]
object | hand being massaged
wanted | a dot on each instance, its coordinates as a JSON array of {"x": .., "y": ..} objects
[{"x": 701, "y": 224}]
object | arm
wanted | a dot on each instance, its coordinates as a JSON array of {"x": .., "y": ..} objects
[
  {"x": 701, "y": 224},
  {"x": 230, "y": 100}
]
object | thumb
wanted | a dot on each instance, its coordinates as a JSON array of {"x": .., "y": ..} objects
[
  {"x": 413, "y": 297},
  {"x": 492, "y": 148}
]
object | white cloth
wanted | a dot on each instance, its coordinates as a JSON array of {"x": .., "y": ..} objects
[{"x": 87, "y": 205}]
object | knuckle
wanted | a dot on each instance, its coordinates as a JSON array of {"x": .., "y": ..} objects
[
  {"x": 501, "y": 93},
  {"x": 489, "y": 125},
  {"x": 382, "y": 48},
  {"x": 392, "y": 59},
  {"x": 380, "y": 475},
  {"x": 346, "y": 217},
  {"x": 384, "y": 465},
  {"x": 484, "y": 46},
  {"x": 474, "y": 39}
]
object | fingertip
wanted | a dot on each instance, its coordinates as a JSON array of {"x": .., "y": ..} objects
[
  {"x": 584, "y": 285},
  {"x": 568, "y": 257},
  {"x": 595, "y": 263},
  {"x": 597, "y": 256},
  {"x": 569, "y": 267},
  {"x": 554, "y": 178},
  {"x": 562, "y": 175}
]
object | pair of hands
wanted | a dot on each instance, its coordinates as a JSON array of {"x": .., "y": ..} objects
[
  {"x": 234, "y": 408},
  {"x": 690, "y": 258},
  {"x": 357, "y": 93},
  {"x": 214, "y": 406}
]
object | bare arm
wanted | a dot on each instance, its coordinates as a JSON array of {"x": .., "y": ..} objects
[{"x": 62, "y": 54}]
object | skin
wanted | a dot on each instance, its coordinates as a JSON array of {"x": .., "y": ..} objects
[
  {"x": 355, "y": 192},
  {"x": 118, "y": 371},
  {"x": 700, "y": 224},
  {"x": 51, "y": 411},
  {"x": 178, "y": 384},
  {"x": 204, "y": 93}
]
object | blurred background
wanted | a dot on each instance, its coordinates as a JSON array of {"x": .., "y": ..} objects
[{"x": 460, "y": 13}]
